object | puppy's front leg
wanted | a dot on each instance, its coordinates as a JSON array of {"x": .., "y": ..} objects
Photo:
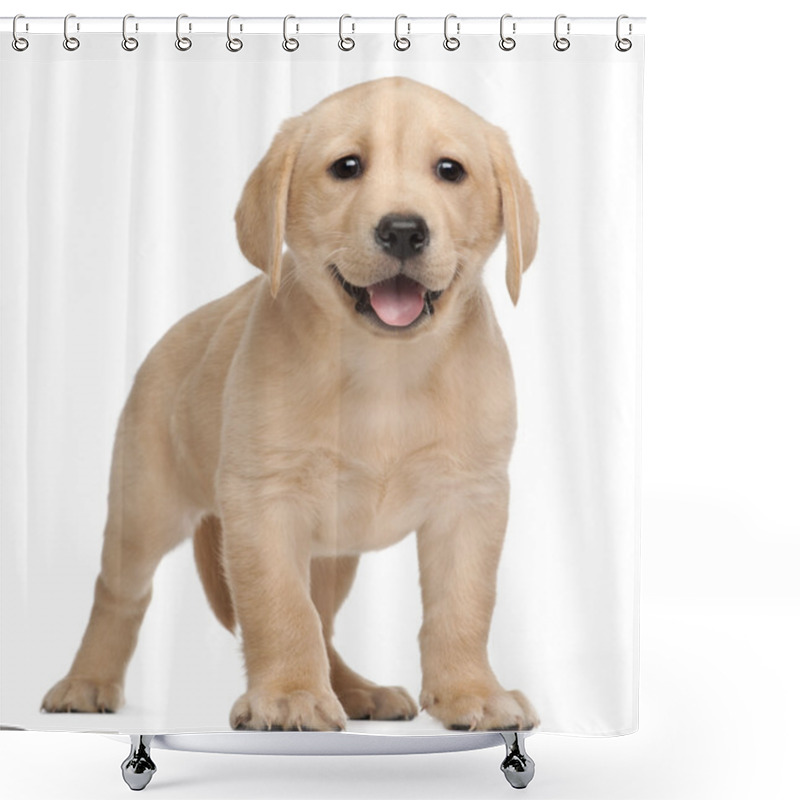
[
  {"x": 267, "y": 554},
  {"x": 459, "y": 551}
]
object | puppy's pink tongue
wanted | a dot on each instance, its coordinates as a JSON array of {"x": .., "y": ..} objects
[{"x": 397, "y": 301}]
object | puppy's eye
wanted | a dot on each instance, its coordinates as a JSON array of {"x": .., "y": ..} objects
[
  {"x": 449, "y": 170},
  {"x": 346, "y": 168}
]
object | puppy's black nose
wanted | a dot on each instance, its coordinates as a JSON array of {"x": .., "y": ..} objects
[{"x": 402, "y": 236}]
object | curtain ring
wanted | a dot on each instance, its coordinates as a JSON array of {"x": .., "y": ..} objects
[
  {"x": 623, "y": 45},
  {"x": 451, "y": 42},
  {"x": 401, "y": 42},
  {"x": 234, "y": 45},
  {"x": 561, "y": 43},
  {"x": 19, "y": 43},
  {"x": 71, "y": 43},
  {"x": 129, "y": 43},
  {"x": 506, "y": 42},
  {"x": 345, "y": 42},
  {"x": 289, "y": 44},
  {"x": 183, "y": 43}
]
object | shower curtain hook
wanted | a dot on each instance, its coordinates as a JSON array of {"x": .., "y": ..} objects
[
  {"x": 345, "y": 42},
  {"x": 623, "y": 45},
  {"x": 234, "y": 45},
  {"x": 401, "y": 42},
  {"x": 561, "y": 43},
  {"x": 507, "y": 42},
  {"x": 289, "y": 44},
  {"x": 183, "y": 43},
  {"x": 19, "y": 43},
  {"x": 71, "y": 43},
  {"x": 129, "y": 43},
  {"x": 451, "y": 42}
]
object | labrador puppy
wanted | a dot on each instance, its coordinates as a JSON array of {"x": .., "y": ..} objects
[{"x": 356, "y": 391}]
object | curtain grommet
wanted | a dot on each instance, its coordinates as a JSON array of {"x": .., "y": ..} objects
[
  {"x": 346, "y": 43},
  {"x": 233, "y": 44},
  {"x": 623, "y": 44},
  {"x": 71, "y": 43},
  {"x": 183, "y": 43},
  {"x": 129, "y": 43},
  {"x": 561, "y": 43},
  {"x": 19, "y": 43},
  {"x": 451, "y": 43},
  {"x": 401, "y": 43},
  {"x": 289, "y": 44},
  {"x": 507, "y": 43}
]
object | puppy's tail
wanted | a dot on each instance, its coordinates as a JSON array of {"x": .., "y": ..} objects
[{"x": 208, "y": 557}]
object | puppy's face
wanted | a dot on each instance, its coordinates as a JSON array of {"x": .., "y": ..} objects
[{"x": 395, "y": 195}]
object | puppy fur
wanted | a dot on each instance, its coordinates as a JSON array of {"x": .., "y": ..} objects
[{"x": 288, "y": 433}]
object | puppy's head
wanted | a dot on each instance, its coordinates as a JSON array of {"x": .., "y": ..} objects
[{"x": 390, "y": 195}]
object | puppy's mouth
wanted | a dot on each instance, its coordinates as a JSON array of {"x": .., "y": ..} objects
[{"x": 398, "y": 303}]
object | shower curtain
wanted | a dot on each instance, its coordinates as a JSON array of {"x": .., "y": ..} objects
[{"x": 122, "y": 169}]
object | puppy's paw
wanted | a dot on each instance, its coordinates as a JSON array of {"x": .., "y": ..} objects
[
  {"x": 258, "y": 710},
  {"x": 83, "y": 694},
  {"x": 492, "y": 710},
  {"x": 378, "y": 702}
]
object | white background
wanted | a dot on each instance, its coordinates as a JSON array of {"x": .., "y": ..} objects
[
  {"x": 82, "y": 253},
  {"x": 721, "y": 435}
]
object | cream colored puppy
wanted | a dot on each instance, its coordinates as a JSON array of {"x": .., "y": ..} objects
[{"x": 357, "y": 391}]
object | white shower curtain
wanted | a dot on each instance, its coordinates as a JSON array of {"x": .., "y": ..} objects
[{"x": 121, "y": 172}]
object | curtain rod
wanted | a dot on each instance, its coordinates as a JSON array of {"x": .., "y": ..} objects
[{"x": 325, "y": 25}]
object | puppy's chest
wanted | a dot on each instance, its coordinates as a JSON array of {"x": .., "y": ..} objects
[{"x": 382, "y": 469}]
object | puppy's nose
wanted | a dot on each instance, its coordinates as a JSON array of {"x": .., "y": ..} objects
[{"x": 402, "y": 236}]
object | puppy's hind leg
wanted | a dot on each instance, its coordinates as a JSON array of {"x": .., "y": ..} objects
[
  {"x": 331, "y": 580},
  {"x": 144, "y": 522}
]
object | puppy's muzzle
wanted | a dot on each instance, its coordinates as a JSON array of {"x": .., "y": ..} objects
[{"x": 402, "y": 236}]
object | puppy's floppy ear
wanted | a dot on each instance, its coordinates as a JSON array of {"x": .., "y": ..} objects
[
  {"x": 261, "y": 214},
  {"x": 520, "y": 218}
]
